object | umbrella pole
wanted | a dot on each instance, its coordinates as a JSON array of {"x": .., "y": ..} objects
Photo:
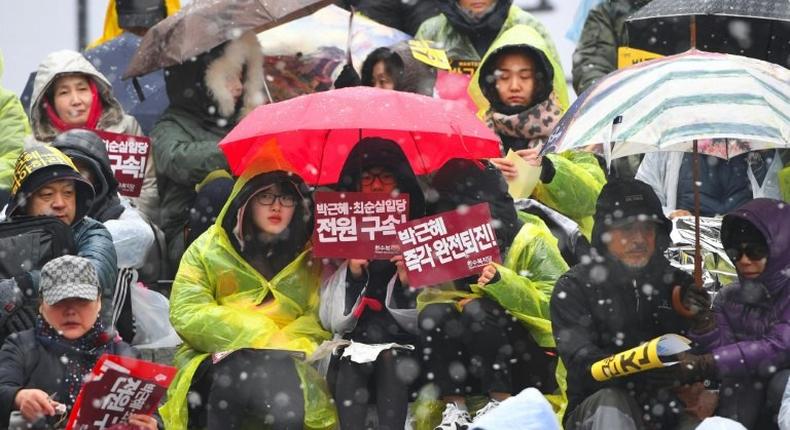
[
  {"x": 693, "y": 32},
  {"x": 677, "y": 290},
  {"x": 349, "y": 60},
  {"x": 697, "y": 249}
]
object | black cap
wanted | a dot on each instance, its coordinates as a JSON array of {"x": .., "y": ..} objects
[
  {"x": 624, "y": 201},
  {"x": 40, "y": 165}
]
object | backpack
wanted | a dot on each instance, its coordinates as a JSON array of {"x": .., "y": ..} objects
[{"x": 29, "y": 242}]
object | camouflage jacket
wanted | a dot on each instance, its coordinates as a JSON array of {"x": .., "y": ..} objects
[{"x": 604, "y": 31}]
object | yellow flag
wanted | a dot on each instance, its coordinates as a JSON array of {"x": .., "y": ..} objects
[
  {"x": 627, "y": 57},
  {"x": 422, "y": 51},
  {"x": 527, "y": 177}
]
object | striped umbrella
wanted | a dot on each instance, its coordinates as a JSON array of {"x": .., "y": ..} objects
[
  {"x": 700, "y": 102},
  {"x": 668, "y": 103}
]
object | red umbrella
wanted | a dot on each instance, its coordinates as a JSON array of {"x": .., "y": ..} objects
[{"x": 312, "y": 134}]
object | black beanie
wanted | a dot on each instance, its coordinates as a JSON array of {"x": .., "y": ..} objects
[
  {"x": 736, "y": 231},
  {"x": 469, "y": 182},
  {"x": 624, "y": 201}
]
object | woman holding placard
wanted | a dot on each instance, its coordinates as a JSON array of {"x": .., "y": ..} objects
[
  {"x": 245, "y": 302},
  {"x": 370, "y": 301},
  {"x": 491, "y": 335}
]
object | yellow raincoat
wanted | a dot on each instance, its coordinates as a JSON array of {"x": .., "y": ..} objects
[
  {"x": 515, "y": 36},
  {"x": 579, "y": 178},
  {"x": 574, "y": 190},
  {"x": 527, "y": 276},
  {"x": 458, "y": 46},
  {"x": 214, "y": 307},
  {"x": 14, "y": 126}
]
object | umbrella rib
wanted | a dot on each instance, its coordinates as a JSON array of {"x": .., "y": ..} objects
[
  {"x": 321, "y": 161},
  {"x": 417, "y": 148}
]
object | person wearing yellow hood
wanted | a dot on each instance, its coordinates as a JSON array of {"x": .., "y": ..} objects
[
  {"x": 141, "y": 9},
  {"x": 13, "y": 129},
  {"x": 522, "y": 90},
  {"x": 490, "y": 336},
  {"x": 245, "y": 302}
]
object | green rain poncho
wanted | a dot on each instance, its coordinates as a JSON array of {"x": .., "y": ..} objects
[
  {"x": 578, "y": 177},
  {"x": 13, "y": 129},
  {"x": 522, "y": 35},
  {"x": 573, "y": 191},
  {"x": 215, "y": 307}
]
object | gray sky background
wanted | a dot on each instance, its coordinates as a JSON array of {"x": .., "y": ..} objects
[{"x": 30, "y": 29}]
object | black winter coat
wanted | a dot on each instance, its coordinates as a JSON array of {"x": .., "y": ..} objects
[
  {"x": 599, "y": 309},
  {"x": 26, "y": 362}
]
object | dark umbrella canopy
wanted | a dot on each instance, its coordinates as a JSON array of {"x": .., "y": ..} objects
[
  {"x": 775, "y": 10},
  {"x": 752, "y": 28},
  {"x": 205, "y": 24}
]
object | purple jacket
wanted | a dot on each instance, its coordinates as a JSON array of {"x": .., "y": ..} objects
[{"x": 753, "y": 316}]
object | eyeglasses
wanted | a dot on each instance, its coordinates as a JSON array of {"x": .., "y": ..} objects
[
  {"x": 385, "y": 178},
  {"x": 753, "y": 251},
  {"x": 268, "y": 199}
]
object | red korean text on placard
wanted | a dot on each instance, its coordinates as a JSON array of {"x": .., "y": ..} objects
[
  {"x": 358, "y": 225},
  {"x": 116, "y": 388},
  {"x": 448, "y": 246},
  {"x": 129, "y": 157}
]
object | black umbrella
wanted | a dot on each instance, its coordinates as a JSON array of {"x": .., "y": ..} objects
[{"x": 752, "y": 28}]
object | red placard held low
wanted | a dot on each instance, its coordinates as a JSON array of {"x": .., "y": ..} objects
[
  {"x": 129, "y": 157},
  {"x": 448, "y": 246},
  {"x": 358, "y": 225},
  {"x": 117, "y": 387}
]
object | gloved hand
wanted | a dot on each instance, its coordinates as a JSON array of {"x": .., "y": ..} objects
[
  {"x": 14, "y": 316},
  {"x": 697, "y": 300},
  {"x": 548, "y": 171},
  {"x": 24, "y": 318},
  {"x": 690, "y": 368},
  {"x": 348, "y": 77}
]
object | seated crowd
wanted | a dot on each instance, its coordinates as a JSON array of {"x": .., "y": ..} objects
[{"x": 584, "y": 271}]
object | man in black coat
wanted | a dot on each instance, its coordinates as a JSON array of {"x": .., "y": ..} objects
[{"x": 616, "y": 300}]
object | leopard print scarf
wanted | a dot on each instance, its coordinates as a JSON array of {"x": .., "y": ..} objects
[{"x": 533, "y": 124}]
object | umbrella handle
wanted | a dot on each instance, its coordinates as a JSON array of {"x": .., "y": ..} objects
[
  {"x": 677, "y": 303},
  {"x": 349, "y": 60}
]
